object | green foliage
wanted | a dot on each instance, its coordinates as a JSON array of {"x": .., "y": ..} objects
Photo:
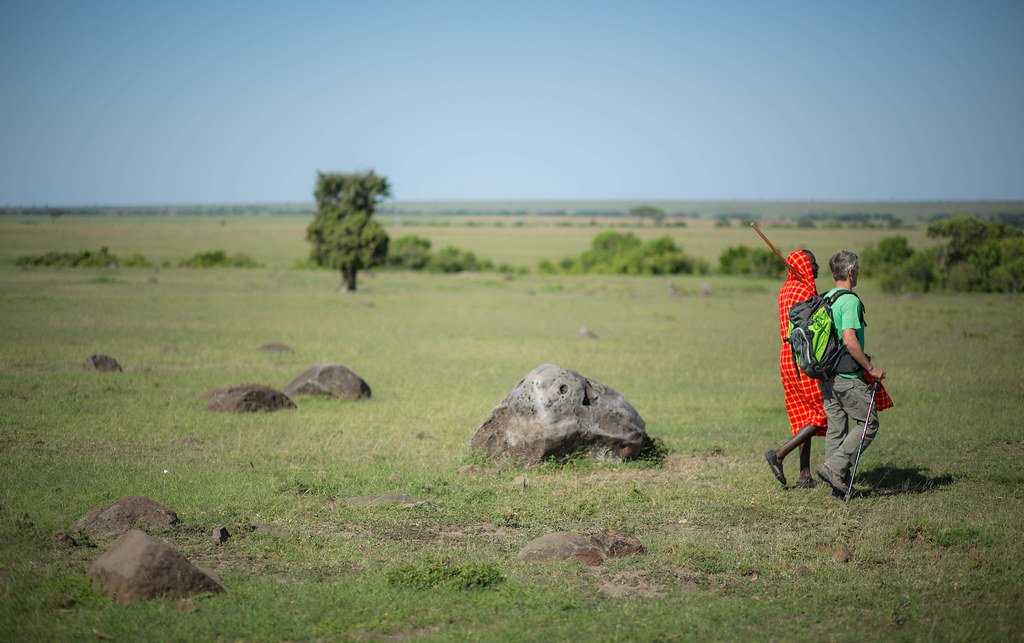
[
  {"x": 413, "y": 253},
  {"x": 82, "y": 259},
  {"x": 756, "y": 262},
  {"x": 653, "y": 451},
  {"x": 431, "y": 573},
  {"x": 218, "y": 259},
  {"x": 616, "y": 253},
  {"x": 451, "y": 259},
  {"x": 409, "y": 252},
  {"x": 978, "y": 257},
  {"x": 343, "y": 235}
]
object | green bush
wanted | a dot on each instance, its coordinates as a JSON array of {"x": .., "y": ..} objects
[
  {"x": 82, "y": 259},
  {"x": 616, "y": 253},
  {"x": 218, "y": 259},
  {"x": 432, "y": 573},
  {"x": 409, "y": 252},
  {"x": 754, "y": 262},
  {"x": 978, "y": 256}
]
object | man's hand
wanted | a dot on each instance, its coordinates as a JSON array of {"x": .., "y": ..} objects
[{"x": 853, "y": 345}]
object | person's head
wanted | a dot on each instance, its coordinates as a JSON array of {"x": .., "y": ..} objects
[
  {"x": 843, "y": 265},
  {"x": 811, "y": 260}
]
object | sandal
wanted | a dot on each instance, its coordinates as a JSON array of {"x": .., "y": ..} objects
[{"x": 775, "y": 466}]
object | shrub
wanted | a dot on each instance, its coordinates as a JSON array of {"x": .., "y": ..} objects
[
  {"x": 409, "y": 252},
  {"x": 624, "y": 254},
  {"x": 432, "y": 573},
  {"x": 82, "y": 259},
  {"x": 756, "y": 262},
  {"x": 218, "y": 259}
]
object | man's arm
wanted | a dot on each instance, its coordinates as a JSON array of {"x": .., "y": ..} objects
[{"x": 857, "y": 352}]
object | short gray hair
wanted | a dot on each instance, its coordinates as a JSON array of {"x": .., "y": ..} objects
[{"x": 842, "y": 263}]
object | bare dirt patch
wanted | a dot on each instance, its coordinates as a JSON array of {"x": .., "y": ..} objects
[{"x": 628, "y": 583}]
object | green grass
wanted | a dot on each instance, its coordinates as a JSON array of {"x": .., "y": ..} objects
[{"x": 730, "y": 554}]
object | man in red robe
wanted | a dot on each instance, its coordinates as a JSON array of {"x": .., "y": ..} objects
[{"x": 803, "y": 394}]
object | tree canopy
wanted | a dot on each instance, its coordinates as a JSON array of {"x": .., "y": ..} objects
[{"x": 343, "y": 235}]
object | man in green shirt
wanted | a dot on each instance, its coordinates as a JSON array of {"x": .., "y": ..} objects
[{"x": 847, "y": 394}]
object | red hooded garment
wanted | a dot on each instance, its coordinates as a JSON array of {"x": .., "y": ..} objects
[{"x": 803, "y": 395}]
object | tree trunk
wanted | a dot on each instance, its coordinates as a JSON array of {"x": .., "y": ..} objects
[{"x": 348, "y": 277}]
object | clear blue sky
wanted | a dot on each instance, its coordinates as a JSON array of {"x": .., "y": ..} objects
[{"x": 111, "y": 102}]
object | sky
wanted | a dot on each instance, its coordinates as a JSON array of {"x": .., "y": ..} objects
[{"x": 109, "y": 102}]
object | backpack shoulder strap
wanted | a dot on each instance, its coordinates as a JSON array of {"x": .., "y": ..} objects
[{"x": 842, "y": 291}]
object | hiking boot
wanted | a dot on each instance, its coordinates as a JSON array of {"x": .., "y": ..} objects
[
  {"x": 775, "y": 466},
  {"x": 833, "y": 480}
]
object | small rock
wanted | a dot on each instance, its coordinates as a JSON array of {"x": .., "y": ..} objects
[
  {"x": 586, "y": 333},
  {"x": 561, "y": 545},
  {"x": 842, "y": 554},
  {"x": 102, "y": 363},
  {"x": 422, "y": 435},
  {"x": 186, "y": 606},
  {"x": 221, "y": 535}
]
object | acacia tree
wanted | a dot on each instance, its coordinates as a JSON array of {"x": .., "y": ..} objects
[{"x": 343, "y": 235}]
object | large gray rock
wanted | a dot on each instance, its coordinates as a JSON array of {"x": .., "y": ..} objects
[
  {"x": 555, "y": 412},
  {"x": 139, "y": 567},
  {"x": 247, "y": 398},
  {"x": 125, "y": 514},
  {"x": 329, "y": 379}
]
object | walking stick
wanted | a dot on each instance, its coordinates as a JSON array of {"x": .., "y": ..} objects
[
  {"x": 779, "y": 254},
  {"x": 860, "y": 447}
]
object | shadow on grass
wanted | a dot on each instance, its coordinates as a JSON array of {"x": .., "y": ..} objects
[{"x": 890, "y": 481}]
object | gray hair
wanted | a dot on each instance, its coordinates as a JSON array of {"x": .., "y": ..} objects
[{"x": 842, "y": 263}]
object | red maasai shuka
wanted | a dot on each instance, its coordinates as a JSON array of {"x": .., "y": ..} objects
[{"x": 803, "y": 395}]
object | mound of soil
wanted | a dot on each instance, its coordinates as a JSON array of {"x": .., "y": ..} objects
[
  {"x": 125, "y": 514},
  {"x": 247, "y": 398}
]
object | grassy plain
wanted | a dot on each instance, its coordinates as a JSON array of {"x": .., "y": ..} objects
[{"x": 935, "y": 549}]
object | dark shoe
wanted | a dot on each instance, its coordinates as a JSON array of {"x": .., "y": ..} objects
[
  {"x": 775, "y": 466},
  {"x": 806, "y": 483},
  {"x": 832, "y": 480}
]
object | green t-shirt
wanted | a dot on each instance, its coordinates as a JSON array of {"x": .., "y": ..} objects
[{"x": 846, "y": 314}]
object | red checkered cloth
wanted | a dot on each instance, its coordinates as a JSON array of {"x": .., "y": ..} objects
[
  {"x": 882, "y": 399},
  {"x": 803, "y": 395}
]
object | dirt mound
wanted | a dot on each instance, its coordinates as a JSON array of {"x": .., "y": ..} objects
[
  {"x": 125, "y": 514},
  {"x": 247, "y": 398},
  {"x": 102, "y": 363},
  {"x": 139, "y": 567},
  {"x": 329, "y": 379}
]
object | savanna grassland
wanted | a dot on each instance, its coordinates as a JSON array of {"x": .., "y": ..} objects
[{"x": 931, "y": 551}]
